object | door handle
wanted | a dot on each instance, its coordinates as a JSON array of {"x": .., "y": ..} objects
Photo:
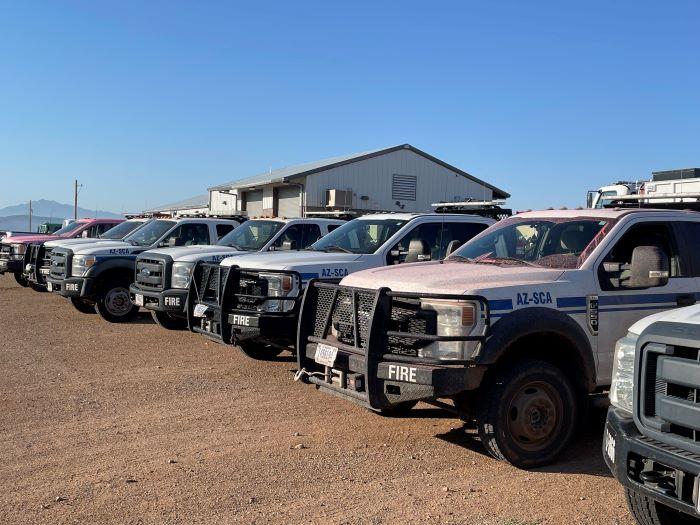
[{"x": 685, "y": 300}]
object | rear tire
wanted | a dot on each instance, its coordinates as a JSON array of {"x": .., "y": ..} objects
[
  {"x": 83, "y": 306},
  {"x": 114, "y": 304},
  {"x": 21, "y": 280},
  {"x": 259, "y": 351},
  {"x": 527, "y": 413},
  {"x": 169, "y": 321},
  {"x": 646, "y": 511}
]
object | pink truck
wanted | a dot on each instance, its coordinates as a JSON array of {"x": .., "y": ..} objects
[{"x": 13, "y": 249}]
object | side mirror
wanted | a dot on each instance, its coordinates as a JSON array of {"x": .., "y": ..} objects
[
  {"x": 175, "y": 241},
  {"x": 288, "y": 245},
  {"x": 650, "y": 267},
  {"x": 452, "y": 246},
  {"x": 84, "y": 234}
]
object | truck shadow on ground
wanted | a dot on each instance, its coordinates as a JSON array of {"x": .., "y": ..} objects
[{"x": 583, "y": 456}]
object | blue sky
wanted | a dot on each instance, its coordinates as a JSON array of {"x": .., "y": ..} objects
[{"x": 150, "y": 102}]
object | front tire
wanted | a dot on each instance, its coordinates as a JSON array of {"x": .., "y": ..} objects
[
  {"x": 114, "y": 304},
  {"x": 259, "y": 351},
  {"x": 21, "y": 280},
  {"x": 646, "y": 511},
  {"x": 83, "y": 306},
  {"x": 169, "y": 321},
  {"x": 527, "y": 413}
]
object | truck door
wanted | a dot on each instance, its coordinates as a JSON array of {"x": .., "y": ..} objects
[{"x": 619, "y": 306}]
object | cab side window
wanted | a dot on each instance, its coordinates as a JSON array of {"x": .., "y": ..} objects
[
  {"x": 691, "y": 230},
  {"x": 293, "y": 235},
  {"x": 310, "y": 233},
  {"x": 422, "y": 243},
  {"x": 188, "y": 235},
  {"x": 223, "y": 229},
  {"x": 614, "y": 272},
  {"x": 460, "y": 232}
]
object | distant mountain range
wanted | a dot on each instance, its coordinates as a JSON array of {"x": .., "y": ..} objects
[{"x": 17, "y": 217}]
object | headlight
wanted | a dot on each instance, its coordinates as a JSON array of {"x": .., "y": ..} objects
[
  {"x": 181, "y": 274},
  {"x": 622, "y": 385},
  {"x": 81, "y": 264},
  {"x": 453, "y": 319},
  {"x": 18, "y": 250},
  {"x": 280, "y": 285}
]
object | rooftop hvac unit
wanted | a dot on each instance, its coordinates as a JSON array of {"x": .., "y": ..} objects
[{"x": 339, "y": 198}]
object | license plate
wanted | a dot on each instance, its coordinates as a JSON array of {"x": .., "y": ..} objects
[
  {"x": 325, "y": 354},
  {"x": 610, "y": 445},
  {"x": 49, "y": 287},
  {"x": 44, "y": 271},
  {"x": 199, "y": 310},
  {"x": 138, "y": 299}
]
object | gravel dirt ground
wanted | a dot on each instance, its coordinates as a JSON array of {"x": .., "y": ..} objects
[{"x": 130, "y": 424}]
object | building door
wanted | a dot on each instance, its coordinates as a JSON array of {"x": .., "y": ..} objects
[
  {"x": 288, "y": 201},
  {"x": 254, "y": 203}
]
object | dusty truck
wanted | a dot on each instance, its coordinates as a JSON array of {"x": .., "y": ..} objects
[
  {"x": 253, "y": 301},
  {"x": 96, "y": 276},
  {"x": 651, "y": 441},
  {"x": 13, "y": 250},
  {"x": 38, "y": 255},
  {"x": 162, "y": 276},
  {"x": 513, "y": 331}
]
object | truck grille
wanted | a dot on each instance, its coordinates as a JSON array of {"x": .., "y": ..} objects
[
  {"x": 59, "y": 264},
  {"x": 671, "y": 400},
  {"x": 5, "y": 251},
  {"x": 150, "y": 274},
  {"x": 350, "y": 318},
  {"x": 250, "y": 283},
  {"x": 210, "y": 284}
]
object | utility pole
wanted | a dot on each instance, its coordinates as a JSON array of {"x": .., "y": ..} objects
[
  {"x": 30, "y": 215},
  {"x": 75, "y": 200}
]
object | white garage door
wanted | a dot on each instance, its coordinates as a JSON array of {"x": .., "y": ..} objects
[
  {"x": 288, "y": 201},
  {"x": 254, "y": 203}
]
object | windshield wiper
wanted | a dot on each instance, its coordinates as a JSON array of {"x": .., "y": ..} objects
[
  {"x": 493, "y": 260},
  {"x": 515, "y": 260},
  {"x": 335, "y": 247}
]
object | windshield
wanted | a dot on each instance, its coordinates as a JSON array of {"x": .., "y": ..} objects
[
  {"x": 69, "y": 228},
  {"x": 359, "y": 236},
  {"x": 251, "y": 235},
  {"x": 121, "y": 230},
  {"x": 562, "y": 243},
  {"x": 150, "y": 233}
]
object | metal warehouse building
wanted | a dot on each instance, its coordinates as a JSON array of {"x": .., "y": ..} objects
[
  {"x": 193, "y": 205},
  {"x": 400, "y": 178}
]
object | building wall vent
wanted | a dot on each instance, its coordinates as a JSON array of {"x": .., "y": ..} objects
[{"x": 403, "y": 187}]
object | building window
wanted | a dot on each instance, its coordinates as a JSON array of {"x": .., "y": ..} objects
[{"x": 403, "y": 187}]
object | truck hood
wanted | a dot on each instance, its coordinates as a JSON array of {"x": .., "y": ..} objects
[
  {"x": 32, "y": 239},
  {"x": 69, "y": 243},
  {"x": 106, "y": 247},
  {"x": 688, "y": 315},
  {"x": 202, "y": 252},
  {"x": 291, "y": 260},
  {"x": 450, "y": 277}
]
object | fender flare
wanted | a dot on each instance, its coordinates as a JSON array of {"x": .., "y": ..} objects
[
  {"x": 127, "y": 264},
  {"x": 539, "y": 320}
]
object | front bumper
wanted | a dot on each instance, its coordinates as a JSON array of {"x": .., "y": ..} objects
[
  {"x": 71, "y": 286},
  {"x": 236, "y": 326},
  {"x": 369, "y": 372},
  {"x": 172, "y": 300},
  {"x": 11, "y": 266},
  {"x": 661, "y": 472}
]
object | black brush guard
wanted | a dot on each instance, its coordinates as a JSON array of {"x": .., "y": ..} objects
[
  {"x": 218, "y": 287},
  {"x": 34, "y": 259},
  {"x": 366, "y": 363}
]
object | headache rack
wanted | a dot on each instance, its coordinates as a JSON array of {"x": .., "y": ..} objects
[{"x": 371, "y": 326}]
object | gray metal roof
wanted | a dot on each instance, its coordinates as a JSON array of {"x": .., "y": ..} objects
[
  {"x": 200, "y": 201},
  {"x": 300, "y": 170}
]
